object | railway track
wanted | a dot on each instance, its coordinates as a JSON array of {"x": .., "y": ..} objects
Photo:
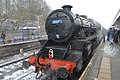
[
  {"x": 27, "y": 75},
  {"x": 15, "y": 62},
  {"x": 15, "y": 48},
  {"x": 30, "y": 75},
  {"x": 9, "y": 59},
  {"x": 18, "y": 72},
  {"x": 12, "y": 54}
]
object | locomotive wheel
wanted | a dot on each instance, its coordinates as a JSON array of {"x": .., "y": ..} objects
[{"x": 77, "y": 70}]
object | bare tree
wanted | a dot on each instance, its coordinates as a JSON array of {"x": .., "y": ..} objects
[{"x": 19, "y": 12}]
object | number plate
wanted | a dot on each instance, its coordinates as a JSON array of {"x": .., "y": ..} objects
[{"x": 56, "y": 21}]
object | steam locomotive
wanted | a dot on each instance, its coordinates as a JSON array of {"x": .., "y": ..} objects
[{"x": 71, "y": 40}]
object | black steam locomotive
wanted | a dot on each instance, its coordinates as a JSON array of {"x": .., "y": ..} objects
[{"x": 71, "y": 40}]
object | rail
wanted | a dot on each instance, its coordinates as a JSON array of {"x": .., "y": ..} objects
[
  {"x": 15, "y": 48},
  {"x": 24, "y": 75},
  {"x": 17, "y": 51},
  {"x": 13, "y": 61}
]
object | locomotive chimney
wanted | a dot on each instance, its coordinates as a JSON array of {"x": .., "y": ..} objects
[{"x": 67, "y": 7}]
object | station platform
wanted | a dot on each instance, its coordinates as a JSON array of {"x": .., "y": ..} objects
[
  {"x": 17, "y": 43},
  {"x": 105, "y": 64}
]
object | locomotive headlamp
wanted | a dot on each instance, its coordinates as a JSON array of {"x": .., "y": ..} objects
[{"x": 62, "y": 72}]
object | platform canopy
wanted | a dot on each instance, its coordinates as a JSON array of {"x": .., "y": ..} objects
[{"x": 116, "y": 21}]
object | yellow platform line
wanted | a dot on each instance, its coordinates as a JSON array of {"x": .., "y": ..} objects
[{"x": 105, "y": 69}]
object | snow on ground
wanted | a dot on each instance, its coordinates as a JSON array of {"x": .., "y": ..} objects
[
  {"x": 110, "y": 49},
  {"x": 21, "y": 73},
  {"x": 15, "y": 71}
]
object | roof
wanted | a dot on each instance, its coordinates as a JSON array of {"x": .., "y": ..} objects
[{"x": 116, "y": 21}]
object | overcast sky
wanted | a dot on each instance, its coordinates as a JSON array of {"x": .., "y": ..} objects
[{"x": 103, "y": 11}]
